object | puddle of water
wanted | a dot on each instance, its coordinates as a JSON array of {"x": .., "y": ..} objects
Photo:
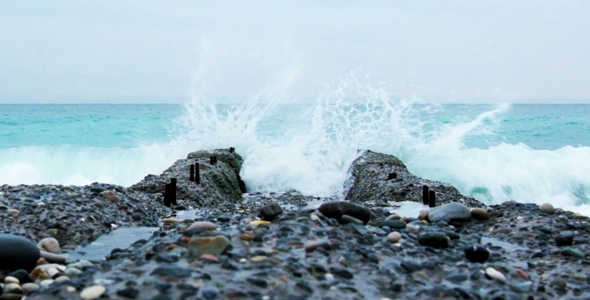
[
  {"x": 118, "y": 238},
  {"x": 496, "y": 242},
  {"x": 189, "y": 214}
]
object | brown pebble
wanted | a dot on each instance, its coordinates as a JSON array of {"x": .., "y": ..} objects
[
  {"x": 523, "y": 274},
  {"x": 479, "y": 214},
  {"x": 311, "y": 246},
  {"x": 424, "y": 215},
  {"x": 547, "y": 208},
  {"x": 41, "y": 261}
]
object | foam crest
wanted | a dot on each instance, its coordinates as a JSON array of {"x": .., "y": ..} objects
[{"x": 78, "y": 165}]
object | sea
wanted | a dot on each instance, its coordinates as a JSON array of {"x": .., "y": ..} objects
[{"x": 493, "y": 152}]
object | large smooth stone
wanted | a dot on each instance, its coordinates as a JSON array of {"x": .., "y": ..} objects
[
  {"x": 455, "y": 212},
  {"x": 208, "y": 245},
  {"x": 336, "y": 209},
  {"x": 17, "y": 252}
]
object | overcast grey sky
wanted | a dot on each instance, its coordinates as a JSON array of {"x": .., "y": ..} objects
[{"x": 153, "y": 51}]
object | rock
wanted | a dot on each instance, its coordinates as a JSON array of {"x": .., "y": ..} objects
[
  {"x": 479, "y": 214},
  {"x": 172, "y": 271},
  {"x": 392, "y": 224},
  {"x": 93, "y": 292},
  {"x": 413, "y": 228},
  {"x": 17, "y": 253},
  {"x": 434, "y": 239},
  {"x": 393, "y": 217},
  {"x": 50, "y": 245},
  {"x": 21, "y": 275},
  {"x": 201, "y": 225},
  {"x": 564, "y": 239},
  {"x": 495, "y": 274},
  {"x": 394, "y": 237},
  {"x": 111, "y": 196},
  {"x": 269, "y": 212},
  {"x": 208, "y": 245},
  {"x": 27, "y": 288},
  {"x": 12, "y": 288},
  {"x": 455, "y": 212},
  {"x": 53, "y": 258},
  {"x": 368, "y": 182},
  {"x": 573, "y": 253},
  {"x": 547, "y": 208},
  {"x": 477, "y": 254},
  {"x": 340, "y": 272},
  {"x": 128, "y": 293},
  {"x": 424, "y": 215},
  {"x": 346, "y": 219},
  {"x": 11, "y": 279},
  {"x": 39, "y": 274},
  {"x": 336, "y": 209}
]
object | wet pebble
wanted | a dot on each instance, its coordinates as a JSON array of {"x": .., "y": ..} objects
[{"x": 93, "y": 292}]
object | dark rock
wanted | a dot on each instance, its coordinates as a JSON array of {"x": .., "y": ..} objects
[
  {"x": 22, "y": 276},
  {"x": 172, "y": 271},
  {"x": 410, "y": 266},
  {"x": 341, "y": 272},
  {"x": 477, "y": 254},
  {"x": 455, "y": 212},
  {"x": 564, "y": 239},
  {"x": 270, "y": 211},
  {"x": 209, "y": 294},
  {"x": 129, "y": 292},
  {"x": 457, "y": 278},
  {"x": 434, "y": 239},
  {"x": 397, "y": 224},
  {"x": 573, "y": 253},
  {"x": 336, "y": 209},
  {"x": 257, "y": 282},
  {"x": 17, "y": 253}
]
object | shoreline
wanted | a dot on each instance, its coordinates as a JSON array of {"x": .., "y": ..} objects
[{"x": 243, "y": 248}]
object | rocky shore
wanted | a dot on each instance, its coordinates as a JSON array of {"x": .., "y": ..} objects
[{"x": 221, "y": 243}]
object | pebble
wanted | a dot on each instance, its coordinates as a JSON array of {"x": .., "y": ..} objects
[
  {"x": 12, "y": 288},
  {"x": 477, "y": 254},
  {"x": 564, "y": 239},
  {"x": 201, "y": 225},
  {"x": 413, "y": 228},
  {"x": 392, "y": 224},
  {"x": 270, "y": 211},
  {"x": 335, "y": 210},
  {"x": 50, "y": 245},
  {"x": 259, "y": 258},
  {"x": 479, "y": 214},
  {"x": 346, "y": 219},
  {"x": 547, "y": 208},
  {"x": 259, "y": 223},
  {"x": 573, "y": 253},
  {"x": 208, "y": 245},
  {"x": 93, "y": 292},
  {"x": 53, "y": 258},
  {"x": 434, "y": 239},
  {"x": 27, "y": 288},
  {"x": 495, "y": 274},
  {"x": 394, "y": 237},
  {"x": 11, "y": 279}
]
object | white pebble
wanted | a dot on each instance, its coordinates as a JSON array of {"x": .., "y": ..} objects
[
  {"x": 495, "y": 274},
  {"x": 11, "y": 279},
  {"x": 394, "y": 237},
  {"x": 93, "y": 292},
  {"x": 329, "y": 276}
]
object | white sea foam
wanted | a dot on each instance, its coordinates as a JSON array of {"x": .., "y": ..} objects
[{"x": 310, "y": 147}]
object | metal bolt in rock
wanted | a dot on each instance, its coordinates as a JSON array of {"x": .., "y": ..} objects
[
  {"x": 197, "y": 173},
  {"x": 432, "y": 202},
  {"x": 425, "y": 195},
  {"x": 192, "y": 173}
]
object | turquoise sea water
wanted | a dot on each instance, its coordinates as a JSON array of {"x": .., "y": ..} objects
[{"x": 528, "y": 153}]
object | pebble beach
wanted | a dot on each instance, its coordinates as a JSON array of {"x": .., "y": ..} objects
[{"x": 222, "y": 241}]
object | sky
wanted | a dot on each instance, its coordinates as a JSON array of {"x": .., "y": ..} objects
[{"x": 167, "y": 51}]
